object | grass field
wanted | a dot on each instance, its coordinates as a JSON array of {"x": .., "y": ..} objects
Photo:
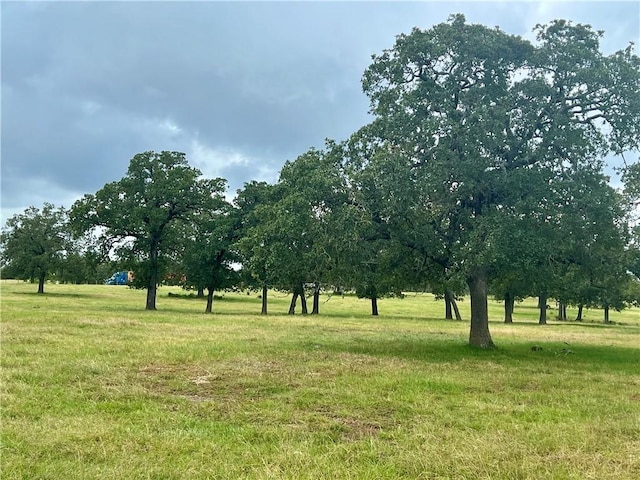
[{"x": 94, "y": 387}]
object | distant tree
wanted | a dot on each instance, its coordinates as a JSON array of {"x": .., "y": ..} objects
[
  {"x": 281, "y": 245},
  {"x": 33, "y": 243},
  {"x": 209, "y": 256},
  {"x": 142, "y": 215},
  {"x": 314, "y": 195},
  {"x": 293, "y": 231},
  {"x": 529, "y": 246},
  {"x": 633, "y": 291},
  {"x": 72, "y": 269},
  {"x": 83, "y": 262},
  {"x": 595, "y": 237},
  {"x": 289, "y": 237},
  {"x": 631, "y": 181},
  {"x": 253, "y": 204},
  {"x": 376, "y": 259}
]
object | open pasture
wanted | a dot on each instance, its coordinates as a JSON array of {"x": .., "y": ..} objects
[{"x": 94, "y": 387}]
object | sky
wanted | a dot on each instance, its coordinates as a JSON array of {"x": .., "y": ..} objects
[{"x": 240, "y": 87}]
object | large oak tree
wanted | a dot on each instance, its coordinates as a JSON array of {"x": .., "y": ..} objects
[{"x": 473, "y": 111}]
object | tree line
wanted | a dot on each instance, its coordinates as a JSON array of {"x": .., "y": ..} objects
[{"x": 481, "y": 173}]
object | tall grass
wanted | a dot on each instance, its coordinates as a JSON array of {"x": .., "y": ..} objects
[{"x": 95, "y": 387}]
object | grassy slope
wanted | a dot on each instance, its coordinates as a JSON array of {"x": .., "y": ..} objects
[{"x": 95, "y": 387}]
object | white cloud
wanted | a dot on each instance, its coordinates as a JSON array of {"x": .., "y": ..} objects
[
  {"x": 231, "y": 164},
  {"x": 212, "y": 161},
  {"x": 167, "y": 126}
]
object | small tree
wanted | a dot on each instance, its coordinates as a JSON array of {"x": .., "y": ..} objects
[
  {"x": 252, "y": 201},
  {"x": 34, "y": 242},
  {"x": 209, "y": 255}
]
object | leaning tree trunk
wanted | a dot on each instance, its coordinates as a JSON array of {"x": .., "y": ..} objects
[
  {"x": 542, "y": 303},
  {"x": 479, "y": 335},
  {"x": 374, "y": 305},
  {"x": 41, "y": 279},
  {"x": 264, "y": 300},
  {"x": 448, "y": 313},
  {"x": 451, "y": 306},
  {"x": 316, "y": 299},
  {"x": 456, "y": 311},
  {"x": 509, "y": 302},
  {"x": 292, "y": 305},
  {"x": 209, "y": 300},
  {"x": 579, "y": 316},
  {"x": 298, "y": 291}
]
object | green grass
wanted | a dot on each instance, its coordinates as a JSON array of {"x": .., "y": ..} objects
[{"x": 95, "y": 387}]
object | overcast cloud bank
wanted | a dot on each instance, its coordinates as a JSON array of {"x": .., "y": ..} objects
[{"x": 240, "y": 87}]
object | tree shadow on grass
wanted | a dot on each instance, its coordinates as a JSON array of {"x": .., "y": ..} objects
[
  {"x": 58, "y": 295},
  {"x": 574, "y": 357},
  {"x": 593, "y": 324},
  {"x": 203, "y": 298}
]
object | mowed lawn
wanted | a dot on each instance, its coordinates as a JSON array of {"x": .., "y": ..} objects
[{"x": 94, "y": 387}]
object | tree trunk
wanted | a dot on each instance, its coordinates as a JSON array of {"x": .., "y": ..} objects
[
  {"x": 41, "y": 279},
  {"x": 579, "y": 316},
  {"x": 200, "y": 293},
  {"x": 562, "y": 311},
  {"x": 292, "y": 305},
  {"x": 298, "y": 291},
  {"x": 151, "y": 296},
  {"x": 606, "y": 314},
  {"x": 374, "y": 306},
  {"x": 209, "y": 300},
  {"x": 264, "y": 300},
  {"x": 455, "y": 309},
  {"x": 479, "y": 335},
  {"x": 316, "y": 299},
  {"x": 451, "y": 304},
  {"x": 152, "y": 285},
  {"x": 303, "y": 302},
  {"x": 542, "y": 303},
  {"x": 448, "y": 313},
  {"x": 508, "y": 307}
]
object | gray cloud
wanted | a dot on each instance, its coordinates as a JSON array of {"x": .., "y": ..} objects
[{"x": 240, "y": 87}]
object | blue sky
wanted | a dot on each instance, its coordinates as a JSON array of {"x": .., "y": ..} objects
[{"x": 240, "y": 87}]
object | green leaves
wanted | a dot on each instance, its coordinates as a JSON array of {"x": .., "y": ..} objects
[
  {"x": 490, "y": 130},
  {"x": 483, "y": 163},
  {"x": 144, "y": 214},
  {"x": 33, "y": 243}
]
